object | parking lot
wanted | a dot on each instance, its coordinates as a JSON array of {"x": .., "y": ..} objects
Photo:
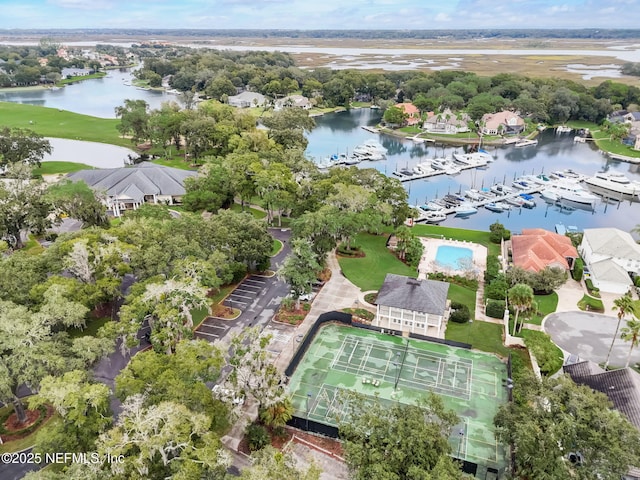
[
  {"x": 246, "y": 292},
  {"x": 282, "y": 337},
  {"x": 212, "y": 329}
]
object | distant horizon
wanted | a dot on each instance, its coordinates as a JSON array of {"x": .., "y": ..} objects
[{"x": 301, "y": 15}]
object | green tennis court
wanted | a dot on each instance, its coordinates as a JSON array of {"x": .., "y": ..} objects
[{"x": 400, "y": 369}]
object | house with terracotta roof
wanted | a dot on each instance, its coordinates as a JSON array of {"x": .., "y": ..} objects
[
  {"x": 502, "y": 123},
  {"x": 412, "y": 112},
  {"x": 536, "y": 249},
  {"x": 612, "y": 256}
]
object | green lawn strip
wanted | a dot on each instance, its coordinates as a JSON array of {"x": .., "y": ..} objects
[
  {"x": 591, "y": 304},
  {"x": 464, "y": 296},
  {"x": 90, "y": 330},
  {"x": 236, "y": 207},
  {"x": 546, "y": 304},
  {"x": 198, "y": 315},
  {"x": 275, "y": 247},
  {"x": 52, "y": 122},
  {"x": 368, "y": 272},
  {"x": 53, "y": 168},
  {"x": 80, "y": 78},
  {"x": 28, "y": 441},
  {"x": 475, "y": 236},
  {"x": 480, "y": 335},
  {"x": 32, "y": 246},
  {"x": 582, "y": 124},
  {"x": 174, "y": 162}
]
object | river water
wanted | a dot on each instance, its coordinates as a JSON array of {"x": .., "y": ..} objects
[
  {"x": 341, "y": 132},
  {"x": 96, "y": 97}
]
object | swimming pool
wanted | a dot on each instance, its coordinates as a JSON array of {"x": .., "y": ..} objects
[{"x": 454, "y": 258}]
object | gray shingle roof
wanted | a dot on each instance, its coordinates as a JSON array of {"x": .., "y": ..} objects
[
  {"x": 613, "y": 242},
  {"x": 621, "y": 386},
  {"x": 425, "y": 296},
  {"x": 136, "y": 181}
]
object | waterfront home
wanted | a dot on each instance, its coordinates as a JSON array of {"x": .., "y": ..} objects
[
  {"x": 248, "y": 99},
  {"x": 129, "y": 187},
  {"x": 411, "y": 111},
  {"x": 447, "y": 122},
  {"x": 502, "y": 123},
  {"x": 297, "y": 101},
  {"x": 76, "y": 72},
  {"x": 536, "y": 248},
  {"x": 611, "y": 256},
  {"x": 412, "y": 305}
]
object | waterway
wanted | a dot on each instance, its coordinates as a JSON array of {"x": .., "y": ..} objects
[
  {"x": 98, "y": 155},
  {"x": 96, "y": 97},
  {"x": 341, "y": 132}
]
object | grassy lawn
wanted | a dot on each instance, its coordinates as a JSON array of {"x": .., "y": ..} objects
[
  {"x": 368, "y": 272},
  {"x": 66, "y": 81},
  {"x": 464, "y": 296},
  {"x": 546, "y": 304},
  {"x": 483, "y": 336},
  {"x": 410, "y": 130},
  {"x": 275, "y": 247},
  {"x": 90, "y": 330},
  {"x": 174, "y": 162},
  {"x": 53, "y": 168},
  {"x": 475, "y": 236},
  {"x": 32, "y": 246},
  {"x": 51, "y": 122},
  {"x": 582, "y": 124},
  {"x": 253, "y": 211},
  {"x": 198, "y": 315},
  {"x": 591, "y": 304}
]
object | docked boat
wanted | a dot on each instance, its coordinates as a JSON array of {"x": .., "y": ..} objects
[
  {"x": 526, "y": 143},
  {"x": 494, "y": 207},
  {"x": 451, "y": 200},
  {"x": 527, "y": 200},
  {"x": 522, "y": 184},
  {"x": 473, "y": 194},
  {"x": 563, "y": 129},
  {"x": 465, "y": 210},
  {"x": 614, "y": 184},
  {"x": 573, "y": 192},
  {"x": 476, "y": 159},
  {"x": 500, "y": 189},
  {"x": 434, "y": 217},
  {"x": 452, "y": 169},
  {"x": 439, "y": 164},
  {"x": 515, "y": 201},
  {"x": 549, "y": 196},
  {"x": 503, "y": 205},
  {"x": 431, "y": 207}
]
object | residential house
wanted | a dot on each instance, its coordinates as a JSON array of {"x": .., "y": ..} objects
[
  {"x": 611, "y": 256},
  {"x": 247, "y": 99},
  {"x": 447, "y": 122},
  {"x": 502, "y": 123},
  {"x": 129, "y": 187},
  {"x": 411, "y": 305},
  {"x": 297, "y": 101},
  {"x": 76, "y": 72},
  {"x": 411, "y": 111},
  {"x": 535, "y": 249}
]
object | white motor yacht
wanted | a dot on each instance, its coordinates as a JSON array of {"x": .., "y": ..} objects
[
  {"x": 614, "y": 184},
  {"x": 572, "y": 192}
]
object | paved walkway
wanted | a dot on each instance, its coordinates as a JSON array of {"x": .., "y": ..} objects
[{"x": 336, "y": 294}]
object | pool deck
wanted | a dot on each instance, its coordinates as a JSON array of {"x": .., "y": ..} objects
[{"x": 429, "y": 264}]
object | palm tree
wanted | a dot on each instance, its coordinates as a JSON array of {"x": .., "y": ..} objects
[
  {"x": 631, "y": 333},
  {"x": 277, "y": 414},
  {"x": 624, "y": 305},
  {"x": 521, "y": 298}
]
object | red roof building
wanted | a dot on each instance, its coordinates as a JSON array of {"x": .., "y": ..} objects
[
  {"x": 412, "y": 112},
  {"x": 537, "y": 248}
]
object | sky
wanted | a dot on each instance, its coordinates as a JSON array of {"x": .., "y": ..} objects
[{"x": 319, "y": 14}]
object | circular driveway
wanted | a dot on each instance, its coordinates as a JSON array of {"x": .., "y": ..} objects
[{"x": 589, "y": 336}]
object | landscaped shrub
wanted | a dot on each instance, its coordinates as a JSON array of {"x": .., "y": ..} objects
[
  {"x": 578, "y": 269},
  {"x": 548, "y": 355},
  {"x": 371, "y": 298},
  {"x": 470, "y": 283},
  {"x": 459, "y": 313},
  {"x": 592, "y": 290},
  {"x": 493, "y": 268},
  {"x": 495, "y": 308},
  {"x": 353, "y": 252},
  {"x": 497, "y": 289},
  {"x": 498, "y": 233},
  {"x": 257, "y": 437}
]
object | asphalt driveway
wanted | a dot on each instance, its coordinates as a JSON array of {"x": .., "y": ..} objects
[{"x": 589, "y": 336}]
